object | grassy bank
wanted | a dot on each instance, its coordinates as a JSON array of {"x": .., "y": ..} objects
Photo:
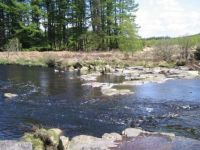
[{"x": 66, "y": 59}]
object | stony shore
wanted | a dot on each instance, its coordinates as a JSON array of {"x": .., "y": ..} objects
[
  {"x": 130, "y": 139},
  {"x": 134, "y": 76}
]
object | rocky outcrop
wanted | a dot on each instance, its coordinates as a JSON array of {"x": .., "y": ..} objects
[
  {"x": 135, "y": 76},
  {"x": 131, "y": 139}
]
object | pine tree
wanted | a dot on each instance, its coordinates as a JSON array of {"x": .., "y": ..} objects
[{"x": 67, "y": 24}]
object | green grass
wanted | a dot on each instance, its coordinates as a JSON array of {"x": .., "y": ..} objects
[
  {"x": 4, "y": 61},
  {"x": 23, "y": 61},
  {"x": 193, "y": 40}
]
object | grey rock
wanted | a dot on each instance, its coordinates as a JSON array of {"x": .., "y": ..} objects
[
  {"x": 15, "y": 145},
  {"x": 63, "y": 143},
  {"x": 132, "y": 132},
  {"x": 112, "y": 136},
  {"x": 84, "y": 142}
]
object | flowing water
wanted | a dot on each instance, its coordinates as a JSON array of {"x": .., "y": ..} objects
[{"x": 49, "y": 99}]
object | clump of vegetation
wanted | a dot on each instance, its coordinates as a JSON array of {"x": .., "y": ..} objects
[
  {"x": 50, "y": 62},
  {"x": 43, "y": 139},
  {"x": 3, "y": 61},
  {"x": 13, "y": 45},
  {"x": 37, "y": 143},
  {"x": 163, "y": 51},
  {"x": 197, "y": 53},
  {"x": 181, "y": 63}
]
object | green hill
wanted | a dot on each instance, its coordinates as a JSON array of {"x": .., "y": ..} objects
[{"x": 192, "y": 40}]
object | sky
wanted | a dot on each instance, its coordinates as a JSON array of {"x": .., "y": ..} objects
[{"x": 168, "y": 17}]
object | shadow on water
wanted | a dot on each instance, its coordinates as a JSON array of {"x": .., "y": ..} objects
[{"x": 49, "y": 99}]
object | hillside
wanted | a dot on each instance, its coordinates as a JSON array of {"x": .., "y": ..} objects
[{"x": 192, "y": 40}]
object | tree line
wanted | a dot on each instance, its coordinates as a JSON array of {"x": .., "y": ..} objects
[{"x": 70, "y": 24}]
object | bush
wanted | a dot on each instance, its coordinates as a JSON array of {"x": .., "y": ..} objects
[
  {"x": 197, "y": 53},
  {"x": 164, "y": 50},
  {"x": 13, "y": 45},
  {"x": 181, "y": 63},
  {"x": 50, "y": 62}
]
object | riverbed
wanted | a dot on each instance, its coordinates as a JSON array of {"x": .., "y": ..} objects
[{"x": 58, "y": 99}]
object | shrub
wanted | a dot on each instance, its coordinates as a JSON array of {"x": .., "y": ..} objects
[
  {"x": 13, "y": 45},
  {"x": 181, "y": 63},
  {"x": 50, "y": 62},
  {"x": 197, "y": 53}
]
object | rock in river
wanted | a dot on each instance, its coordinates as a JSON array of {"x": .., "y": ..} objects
[
  {"x": 63, "y": 143},
  {"x": 10, "y": 95}
]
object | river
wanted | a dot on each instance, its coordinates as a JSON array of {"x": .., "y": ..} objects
[{"x": 49, "y": 99}]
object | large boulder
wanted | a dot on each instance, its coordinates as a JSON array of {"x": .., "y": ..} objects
[{"x": 84, "y": 142}]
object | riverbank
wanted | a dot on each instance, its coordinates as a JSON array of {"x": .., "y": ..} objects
[
  {"x": 92, "y": 65},
  {"x": 66, "y": 59},
  {"x": 130, "y": 139}
]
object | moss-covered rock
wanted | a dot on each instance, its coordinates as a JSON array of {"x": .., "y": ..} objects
[
  {"x": 54, "y": 135},
  {"x": 49, "y": 137},
  {"x": 37, "y": 143},
  {"x": 44, "y": 139}
]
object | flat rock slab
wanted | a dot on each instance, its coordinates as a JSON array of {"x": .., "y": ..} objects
[
  {"x": 15, "y": 145},
  {"x": 159, "y": 142}
]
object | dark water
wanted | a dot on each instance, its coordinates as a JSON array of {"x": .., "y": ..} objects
[{"x": 51, "y": 99}]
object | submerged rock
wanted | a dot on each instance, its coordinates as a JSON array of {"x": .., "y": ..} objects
[
  {"x": 90, "y": 77},
  {"x": 112, "y": 92}
]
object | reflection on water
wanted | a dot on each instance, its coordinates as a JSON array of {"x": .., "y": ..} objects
[{"x": 52, "y": 99}]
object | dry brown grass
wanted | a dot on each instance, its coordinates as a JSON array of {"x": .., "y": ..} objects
[{"x": 145, "y": 57}]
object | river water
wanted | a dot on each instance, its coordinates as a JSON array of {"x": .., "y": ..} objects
[{"x": 49, "y": 99}]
